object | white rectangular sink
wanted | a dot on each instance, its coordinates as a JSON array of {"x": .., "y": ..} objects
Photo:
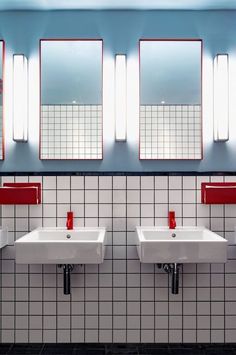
[
  {"x": 180, "y": 245},
  {"x": 61, "y": 246},
  {"x": 3, "y": 238}
]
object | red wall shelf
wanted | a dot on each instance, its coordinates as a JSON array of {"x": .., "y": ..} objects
[
  {"x": 20, "y": 193},
  {"x": 218, "y": 193}
]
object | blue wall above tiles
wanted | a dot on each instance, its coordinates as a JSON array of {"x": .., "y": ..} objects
[{"x": 120, "y": 31}]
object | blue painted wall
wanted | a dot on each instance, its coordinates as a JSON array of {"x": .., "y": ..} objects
[{"x": 120, "y": 31}]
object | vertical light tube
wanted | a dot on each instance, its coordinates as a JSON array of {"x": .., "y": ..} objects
[
  {"x": 120, "y": 97},
  {"x": 221, "y": 98},
  {"x": 20, "y": 98}
]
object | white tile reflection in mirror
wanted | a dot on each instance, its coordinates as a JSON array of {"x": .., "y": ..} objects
[
  {"x": 1, "y": 132},
  {"x": 170, "y": 99},
  {"x": 71, "y": 99},
  {"x": 2, "y": 52},
  {"x": 71, "y": 132},
  {"x": 170, "y": 132}
]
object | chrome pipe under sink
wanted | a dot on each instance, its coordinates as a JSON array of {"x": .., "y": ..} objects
[
  {"x": 67, "y": 268},
  {"x": 172, "y": 269}
]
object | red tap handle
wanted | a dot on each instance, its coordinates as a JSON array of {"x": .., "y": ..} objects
[
  {"x": 69, "y": 222},
  {"x": 172, "y": 221}
]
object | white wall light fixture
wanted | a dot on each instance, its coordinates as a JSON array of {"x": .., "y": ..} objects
[
  {"x": 20, "y": 98},
  {"x": 221, "y": 98},
  {"x": 120, "y": 97}
]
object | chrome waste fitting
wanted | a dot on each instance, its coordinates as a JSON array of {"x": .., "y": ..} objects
[
  {"x": 175, "y": 279},
  {"x": 67, "y": 268},
  {"x": 172, "y": 269}
]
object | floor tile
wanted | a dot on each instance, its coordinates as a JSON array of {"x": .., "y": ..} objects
[
  {"x": 117, "y": 349},
  {"x": 221, "y": 351},
  {"x": 89, "y": 349},
  {"x": 25, "y": 349},
  {"x": 88, "y": 352},
  {"x": 4, "y": 348},
  {"x": 156, "y": 352},
  {"x": 58, "y": 349},
  {"x": 188, "y": 351}
]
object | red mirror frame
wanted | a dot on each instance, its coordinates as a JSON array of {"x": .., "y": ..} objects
[
  {"x": 40, "y": 93},
  {"x": 201, "y": 76},
  {"x": 2, "y": 85}
]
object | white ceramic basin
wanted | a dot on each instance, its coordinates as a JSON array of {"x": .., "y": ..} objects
[
  {"x": 3, "y": 238},
  {"x": 62, "y": 246},
  {"x": 189, "y": 245}
]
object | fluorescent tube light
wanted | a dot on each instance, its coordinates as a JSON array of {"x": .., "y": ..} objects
[
  {"x": 221, "y": 98},
  {"x": 120, "y": 97},
  {"x": 20, "y": 98}
]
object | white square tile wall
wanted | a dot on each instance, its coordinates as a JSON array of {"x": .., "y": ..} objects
[
  {"x": 120, "y": 300},
  {"x": 170, "y": 132},
  {"x": 71, "y": 132}
]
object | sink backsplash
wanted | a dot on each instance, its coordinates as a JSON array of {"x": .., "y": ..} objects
[{"x": 120, "y": 300}]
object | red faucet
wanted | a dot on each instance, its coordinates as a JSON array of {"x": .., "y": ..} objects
[
  {"x": 171, "y": 219},
  {"x": 69, "y": 222}
]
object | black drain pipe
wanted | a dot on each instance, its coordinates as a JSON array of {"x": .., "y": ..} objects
[
  {"x": 175, "y": 279},
  {"x": 67, "y": 268},
  {"x": 173, "y": 270}
]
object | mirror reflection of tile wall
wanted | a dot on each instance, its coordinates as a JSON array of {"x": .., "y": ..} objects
[
  {"x": 71, "y": 99},
  {"x": 170, "y": 132},
  {"x": 170, "y": 99},
  {"x": 1, "y": 133},
  {"x": 71, "y": 132},
  {"x": 1, "y": 98}
]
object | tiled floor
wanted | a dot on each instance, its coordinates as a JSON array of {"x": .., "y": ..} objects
[{"x": 118, "y": 349}]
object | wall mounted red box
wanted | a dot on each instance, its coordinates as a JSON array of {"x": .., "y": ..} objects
[
  {"x": 218, "y": 193},
  {"x": 19, "y": 193}
]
